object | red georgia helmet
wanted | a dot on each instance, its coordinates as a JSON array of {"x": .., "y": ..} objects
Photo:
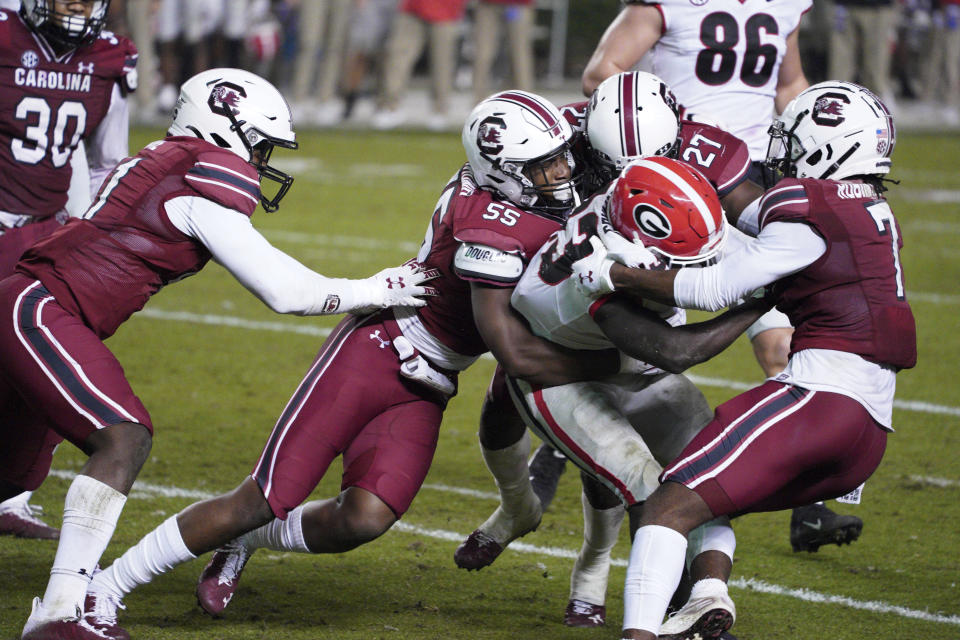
[{"x": 669, "y": 207}]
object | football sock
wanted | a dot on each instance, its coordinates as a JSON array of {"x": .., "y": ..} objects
[
  {"x": 279, "y": 535},
  {"x": 90, "y": 513},
  {"x": 601, "y": 528},
  {"x": 653, "y": 573},
  {"x": 157, "y": 552},
  {"x": 518, "y": 502}
]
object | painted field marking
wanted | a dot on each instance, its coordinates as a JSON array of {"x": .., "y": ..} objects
[
  {"x": 323, "y": 332},
  {"x": 147, "y": 490}
]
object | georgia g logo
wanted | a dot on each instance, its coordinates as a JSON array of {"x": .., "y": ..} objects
[
  {"x": 225, "y": 95},
  {"x": 828, "y": 109},
  {"x": 652, "y": 222},
  {"x": 490, "y": 135}
]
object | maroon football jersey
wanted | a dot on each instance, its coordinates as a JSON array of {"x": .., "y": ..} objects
[
  {"x": 722, "y": 158},
  {"x": 466, "y": 213},
  {"x": 852, "y": 298},
  {"x": 106, "y": 266},
  {"x": 49, "y": 105}
]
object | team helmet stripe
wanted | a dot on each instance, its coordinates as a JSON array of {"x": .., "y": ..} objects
[
  {"x": 702, "y": 207},
  {"x": 527, "y": 101},
  {"x": 629, "y": 135}
]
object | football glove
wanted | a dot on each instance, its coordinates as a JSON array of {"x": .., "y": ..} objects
[
  {"x": 626, "y": 252},
  {"x": 394, "y": 287},
  {"x": 591, "y": 275}
]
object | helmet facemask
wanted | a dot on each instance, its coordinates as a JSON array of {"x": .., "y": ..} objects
[
  {"x": 66, "y": 30},
  {"x": 260, "y": 146},
  {"x": 784, "y": 148},
  {"x": 538, "y": 186}
]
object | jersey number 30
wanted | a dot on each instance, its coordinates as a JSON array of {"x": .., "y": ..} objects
[{"x": 40, "y": 132}]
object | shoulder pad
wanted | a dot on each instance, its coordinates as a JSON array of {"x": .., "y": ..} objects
[
  {"x": 479, "y": 262},
  {"x": 787, "y": 200},
  {"x": 226, "y": 179}
]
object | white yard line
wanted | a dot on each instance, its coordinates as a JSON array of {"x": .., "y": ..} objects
[
  {"x": 147, "y": 490},
  {"x": 305, "y": 328}
]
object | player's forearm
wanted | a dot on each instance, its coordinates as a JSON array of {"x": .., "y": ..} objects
[
  {"x": 548, "y": 364},
  {"x": 643, "y": 283},
  {"x": 674, "y": 349}
]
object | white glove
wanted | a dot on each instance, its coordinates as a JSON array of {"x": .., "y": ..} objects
[
  {"x": 393, "y": 287},
  {"x": 591, "y": 275},
  {"x": 619, "y": 249}
]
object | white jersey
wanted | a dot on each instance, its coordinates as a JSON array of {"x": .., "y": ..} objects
[
  {"x": 722, "y": 60},
  {"x": 548, "y": 298}
]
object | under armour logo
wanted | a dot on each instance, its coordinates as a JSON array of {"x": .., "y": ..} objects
[
  {"x": 585, "y": 277},
  {"x": 395, "y": 282},
  {"x": 85, "y": 68},
  {"x": 376, "y": 336}
]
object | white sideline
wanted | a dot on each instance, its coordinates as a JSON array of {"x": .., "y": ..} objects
[
  {"x": 305, "y": 328},
  {"x": 146, "y": 490}
]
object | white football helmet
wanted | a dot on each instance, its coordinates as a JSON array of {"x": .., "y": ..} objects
[
  {"x": 69, "y": 29},
  {"x": 832, "y": 130},
  {"x": 630, "y": 116},
  {"x": 240, "y": 111},
  {"x": 508, "y": 137}
]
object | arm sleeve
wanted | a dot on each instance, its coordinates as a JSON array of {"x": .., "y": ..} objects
[
  {"x": 782, "y": 248},
  {"x": 282, "y": 283},
  {"x": 110, "y": 141}
]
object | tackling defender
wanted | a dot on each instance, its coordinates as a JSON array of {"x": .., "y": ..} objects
[{"x": 830, "y": 245}]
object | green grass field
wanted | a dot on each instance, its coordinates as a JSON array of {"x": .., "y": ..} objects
[{"x": 215, "y": 367}]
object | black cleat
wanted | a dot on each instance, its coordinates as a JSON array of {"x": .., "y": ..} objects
[
  {"x": 815, "y": 525},
  {"x": 546, "y": 467}
]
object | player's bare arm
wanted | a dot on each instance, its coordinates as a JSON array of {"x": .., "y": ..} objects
[
  {"x": 631, "y": 34},
  {"x": 643, "y": 335},
  {"x": 642, "y": 283},
  {"x": 526, "y": 356},
  {"x": 791, "y": 79},
  {"x": 745, "y": 193}
]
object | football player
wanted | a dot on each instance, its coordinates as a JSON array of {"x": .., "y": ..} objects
[
  {"x": 380, "y": 384},
  {"x": 735, "y": 65},
  {"x": 621, "y": 429},
  {"x": 161, "y": 216},
  {"x": 66, "y": 82},
  {"x": 829, "y": 245},
  {"x": 630, "y": 116}
]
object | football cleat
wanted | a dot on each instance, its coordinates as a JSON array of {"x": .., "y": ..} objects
[
  {"x": 76, "y": 628},
  {"x": 219, "y": 579},
  {"x": 704, "y": 618},
  {"x": 546, "y": 467},
  {"x": 100, "y": 612},
  {"x": 584, "y": 614},
  {"x": 480, "y": 549},
  {"x": 21, "y": 520},
  {"x": 815, "y": 525}
]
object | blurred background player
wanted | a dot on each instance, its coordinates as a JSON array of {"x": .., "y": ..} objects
[
  {"x": 67, "y": 87},
  {"x": 381, "y": 382},
  {"x": 417, "y": 23},
  {"x": 771, "y": 448},
  {"x": 734, "y": 66},
  {"x": 162, "y": 216},
  {"x": 518, "y": 17}
]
